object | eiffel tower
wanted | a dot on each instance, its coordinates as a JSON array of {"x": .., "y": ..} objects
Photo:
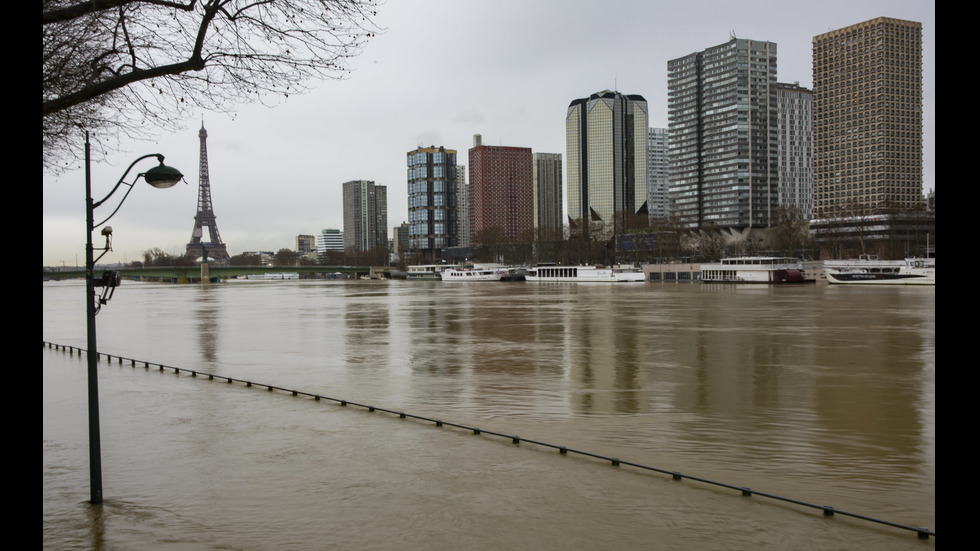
[{"x": 214, "y": 250}]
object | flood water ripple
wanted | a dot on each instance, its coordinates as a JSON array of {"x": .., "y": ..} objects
[{"x": 821, "y": 394}]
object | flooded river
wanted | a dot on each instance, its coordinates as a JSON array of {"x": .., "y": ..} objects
[{"x": 821, "y": 394}]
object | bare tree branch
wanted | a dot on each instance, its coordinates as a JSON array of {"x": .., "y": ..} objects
[
  {"x": 55, "y": 11},
  {"x": 129, "y": 67}
]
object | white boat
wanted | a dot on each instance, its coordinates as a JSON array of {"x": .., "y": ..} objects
[
  {"x": 869, "y": 270},
  {"x": 623, "y": 273},
  {"x": 475, "y": 272},
  {"x": 754, "y": 269},
  {"x": 273, "y": 276},
  {"x": 425, "y": 271}
]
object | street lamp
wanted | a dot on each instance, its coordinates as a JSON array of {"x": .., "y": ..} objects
[{"x": 160, "y": 177}]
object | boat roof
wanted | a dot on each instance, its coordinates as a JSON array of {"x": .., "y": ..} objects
[{"x": 759, "y": 259}]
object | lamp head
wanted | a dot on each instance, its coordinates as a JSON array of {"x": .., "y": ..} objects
[{"x": 162, "y": 176}]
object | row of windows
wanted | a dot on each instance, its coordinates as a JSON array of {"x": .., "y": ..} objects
[
  {"x": 423, "y": 243},
  {"x": 418, "y": 158},
  {"x": 424, "y": 187},
  {"x": 422, "y": 228}
]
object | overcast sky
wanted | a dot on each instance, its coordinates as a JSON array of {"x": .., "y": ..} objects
[{"x": 442, "y": 71}]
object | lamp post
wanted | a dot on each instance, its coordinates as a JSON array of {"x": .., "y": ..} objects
[{"x": 161, "y": 177}]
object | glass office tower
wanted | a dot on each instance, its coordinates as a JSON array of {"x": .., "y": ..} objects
[
  {"x": 432, "y": 208},
  {"x": 606, "y": 156}
]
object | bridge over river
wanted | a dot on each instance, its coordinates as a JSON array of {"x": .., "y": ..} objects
[{"x": 192, "y": 274}]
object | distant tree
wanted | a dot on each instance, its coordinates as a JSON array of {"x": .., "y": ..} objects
[
  {"x": 908, "y": 231},
  {"x": 860, "y": 223},
  {"x": 285, "y": 257},
  {"x": 789, "y": 234},
  {"x": 130, "y": 67},
  {"x": 589, "y": 241},
  {"x": 331, "y": 258},
  {"x": 670, "y": 236},
  {"x": 550, "y": 245},
  {"x": 157, "y": 257},
  {"x": 245, "y": 260},
  {"x": 711, "y": 243},
  {"x": 522, "y": 248},
  {"x": 151, "y": 256},
  {"x": 492, "y": 244}
]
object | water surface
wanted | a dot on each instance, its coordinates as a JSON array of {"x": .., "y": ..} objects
[{"x": 818, "y": 393}]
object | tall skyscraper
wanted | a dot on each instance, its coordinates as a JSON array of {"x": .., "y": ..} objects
[
  {"x": 501, "y": 191},
  {"x": 462, "y": 206},
  {"x": 548, "y": 203},
  {"x": 867, "y": 111},
  {"x": 432, "y": 207},
  {"x": 722, "y": 124},
  {"x": 606, "y": 156},
  {"x": 658, "y": 173},
  {"x": 795, "y": 148},
  {"x": 365, "y": 215}
]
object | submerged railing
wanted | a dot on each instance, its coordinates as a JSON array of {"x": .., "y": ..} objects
[{"x": 923, "y": 533}]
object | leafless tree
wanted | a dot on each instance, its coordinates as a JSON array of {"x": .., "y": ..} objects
[
  {"x": 670, "y": 238},
  {"x": 285, "y": 257},
  {"x": 908, "y": 231},
  {"x": 711, "y": 243},
  {"x": 158, "y": 257},
  {"x": 549, "y": 245},
  {"x": 491, "y": 243},
  {"x": 790, "y": 232},
  {"x": 245, "y": 260},
  {"x": 137, "y": 67}
]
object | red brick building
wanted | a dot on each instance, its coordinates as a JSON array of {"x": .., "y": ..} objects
[{"x": 501, "y": 191}]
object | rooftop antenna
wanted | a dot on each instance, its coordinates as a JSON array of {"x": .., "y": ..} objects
[{"x": 732, "y": 34}]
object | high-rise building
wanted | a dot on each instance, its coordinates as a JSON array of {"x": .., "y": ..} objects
[
  {"x": 606, "y": 158},
  {"x": 433, "y": 225},
  {"x": 400, "y": 239},
  {"x": 722, "y": 124},
  {"x": 365, "y": 215},
  {"x": 795, "y": 148},
  {"x": 462, "y": 206},
  {"x": 867, "y": 112},
  {"x": 329, "y": 240},
  {"x": 658, "y": 173},
  {"x": 501, "y": 192},
  {"x": 548, "y": 202},
  {"x": 305, "y": 245}
]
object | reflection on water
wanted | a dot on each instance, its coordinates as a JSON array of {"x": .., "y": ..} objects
[
  {"x": 825, "y": 394},
  {"x": 207, "y": 324}
]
